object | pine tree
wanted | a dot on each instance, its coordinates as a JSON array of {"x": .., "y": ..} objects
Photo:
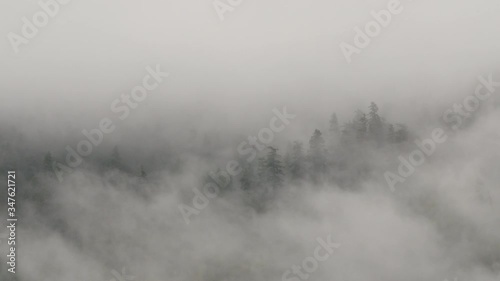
[
  {"x": 391, "y": 135},
  {"x": 247, "y": 179},
  {"x": 116, "y": 161},
  {"x": 296, "y": 161},
  {"x": 334, "y": 124},
  {"x": 348, "y": 132},
  {"x": 402, "y": 133},
  {"x": 317, "y": 143},
  {"x": 261, "y": 170},
  {"x": 361, "y": 126},
  {"x": 317, "y": 152},
  {"x": 274, "y": 168},
  {"x": 375, "y": 124},
  {"x": 270, "y": 169},
  {"x": 143, "y": 173}
]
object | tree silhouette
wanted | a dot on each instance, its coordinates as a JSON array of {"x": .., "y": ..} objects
[
  {"x": 402, "y": 133},
  {"x": 375, "y": 125},
  {"x": 391, "y": 134},
  {"x": 317, "y": 152},
  {"x": 362, "y": 124},
  {"x": 273, "y": 168},
  {"x": 295, "y": 163},
  {"x": 334, "y": 124},
  {"x": 248, "y": 176},
  {"x": 116, "y": 161}
]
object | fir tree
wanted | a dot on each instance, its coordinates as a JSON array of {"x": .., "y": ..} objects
[
  {"x": 317, "y": 143},
  {"x": 296, "y": 161},
  {"x": 402, "y": 133},
  {"x": 375, "y": 125},
  {"x": 361, "y": 126},
  {"x": 116, "y": 161},
  {"x": 391, "y": 134},
  {"x": 261, "y": 170},
  {"x": 274, "y": 168},
  {"x": 348, "y": 132},
  {"x": 317, "y": 152},
  {"x": 247, "y": 179},
  {"x": 334, "y": 124}
]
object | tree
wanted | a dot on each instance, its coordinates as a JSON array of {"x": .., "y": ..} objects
[
  {"x": 375, "y": 125},
  {"x": 271, "y": 169},
  {"x": 391, "y": 135},
  {"x": 262, "y": 170},
  {"x": 269, "y": 178},
  {"x": 274, "y": 167},
  {"x": 317, "y": 143},
  {"x": 247, "y": 179},
  {"x": 317, "y": 152},
  {"x": 116, "y": 161},
  {"x": 402, "y": 133},
  {"x": 334, "y": 124},
  {"x": 361, "y": 125},
  {"x": 348, "y": 132},
  {"x": 295, "y": 164},
  {"x": 143, "y": 173}
]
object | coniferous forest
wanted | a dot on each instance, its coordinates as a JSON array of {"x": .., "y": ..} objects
[{"x": 232, "y": 140}]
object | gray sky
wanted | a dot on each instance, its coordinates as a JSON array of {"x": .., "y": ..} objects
[
  {"x": 261, "y": 55},
  {"x": 230, "y": 74}
]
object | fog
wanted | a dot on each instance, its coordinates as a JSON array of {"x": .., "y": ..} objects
[{"x": 131, "y": 209}]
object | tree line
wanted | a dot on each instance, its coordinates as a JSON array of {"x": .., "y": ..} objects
[{"x": 300, "y": 162}]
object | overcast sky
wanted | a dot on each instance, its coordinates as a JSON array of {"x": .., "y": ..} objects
[{"x": 264, "y": 54}]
